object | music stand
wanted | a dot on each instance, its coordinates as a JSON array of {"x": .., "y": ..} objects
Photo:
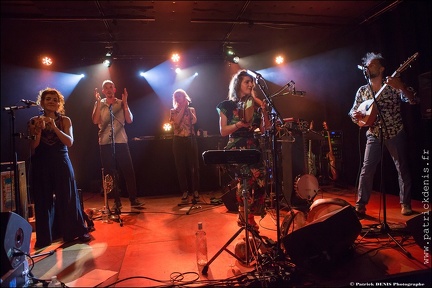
[{"x": 246, "y": 156}]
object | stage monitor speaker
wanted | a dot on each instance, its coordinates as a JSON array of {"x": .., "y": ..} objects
[
  {"x": 229, "y": 198},
  {"x": 416, "y": 227},
  {"x": 324, "y": 240},
  {"x": 15, "y": 236}
]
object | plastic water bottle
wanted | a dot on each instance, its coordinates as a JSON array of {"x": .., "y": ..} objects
[
  {"x": 201, "y": 245},
  {"x": 54, "y": 282}
]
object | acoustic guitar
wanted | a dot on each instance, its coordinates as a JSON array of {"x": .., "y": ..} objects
[
  {"x": 368, "y": 107},
  {"x": 330, "y": 156}
]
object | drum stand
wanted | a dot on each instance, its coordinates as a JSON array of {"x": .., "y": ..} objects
[
  {"x": 248, "y": 156},
  {"x": 251, "y": 244}
]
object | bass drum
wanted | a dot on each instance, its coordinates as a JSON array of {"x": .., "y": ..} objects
[
  {"x": 306, "y": 186},
  {"x": 322, "y": 207}
]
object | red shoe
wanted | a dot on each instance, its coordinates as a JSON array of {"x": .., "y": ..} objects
[{"x": 251, "y": 221}]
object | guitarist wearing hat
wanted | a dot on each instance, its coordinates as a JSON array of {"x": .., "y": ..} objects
[{"x": 389, "y": 93}]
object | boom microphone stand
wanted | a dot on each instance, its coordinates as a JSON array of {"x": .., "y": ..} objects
[
  {"x": 385, "y": 228},
  {"x": 275, "y": 117}
]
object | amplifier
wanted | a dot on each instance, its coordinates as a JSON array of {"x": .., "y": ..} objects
[
  {"x": 336, "y": 140},
  {"x": 7, "y": 202}
]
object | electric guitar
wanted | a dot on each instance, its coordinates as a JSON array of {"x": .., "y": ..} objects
[
  {"x": 368, "y": 108},
  {"x": 330, "y": 155},
  {"x": 310, "y": 156}
]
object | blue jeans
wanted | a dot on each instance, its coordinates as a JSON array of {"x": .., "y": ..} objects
[{"x": 397, "y": 149}]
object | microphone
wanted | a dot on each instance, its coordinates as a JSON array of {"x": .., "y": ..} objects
[
  {"x": 254, "y": 74},
  {"x": 29, "y": 102},
  {"x": 361, "y": 67}
]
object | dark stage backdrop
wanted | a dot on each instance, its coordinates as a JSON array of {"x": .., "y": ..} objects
[{"x": 155, "y": 169}]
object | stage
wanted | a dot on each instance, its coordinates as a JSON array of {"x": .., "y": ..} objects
[{"x": 155, "y": 246}]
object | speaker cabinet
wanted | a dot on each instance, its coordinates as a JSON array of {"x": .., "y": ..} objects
[
  {"x": 324, "y": 240},
  {"x": 8, "y": 188},
  {"x": 229, "y": 197},
  {"x": 15, "y": 236},
  {"x": 416, "y": 227}
]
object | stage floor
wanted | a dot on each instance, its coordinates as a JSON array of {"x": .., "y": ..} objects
[{"x": 155, "y": 246}]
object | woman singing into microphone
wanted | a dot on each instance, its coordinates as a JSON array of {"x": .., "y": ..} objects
[{"x": 239, "y": 116}]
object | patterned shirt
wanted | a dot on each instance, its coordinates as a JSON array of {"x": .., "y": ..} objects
[
  {"x": 185, "y": 128},
  {"x": 243, "y": 138},
  {"x": 389, "y": 102}
]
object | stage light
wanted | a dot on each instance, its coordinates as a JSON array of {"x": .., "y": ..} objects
[
  {"x": 107, "y": 62},
  {"x": 279, "y": 60},
  {"x": 47, "y": 61},
  {"x": 230, "y": 55},
  {"x": 175, "y": 57},
  {"x": 167, "y": 127}
]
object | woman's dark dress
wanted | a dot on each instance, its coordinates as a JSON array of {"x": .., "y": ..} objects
[{"x": 58, "y": 209}]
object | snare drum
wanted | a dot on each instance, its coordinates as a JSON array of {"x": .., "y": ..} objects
[{"x": 306, "y": 186}]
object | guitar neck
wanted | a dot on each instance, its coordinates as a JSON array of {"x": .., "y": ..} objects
[
  {"x": 329, "y": 142},
  {"x": 395, "y": 73}
]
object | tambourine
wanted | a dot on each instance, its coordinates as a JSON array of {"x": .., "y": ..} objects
[{"x": 247, "y": 109}]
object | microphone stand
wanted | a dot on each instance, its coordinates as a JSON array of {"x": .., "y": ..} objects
[
  {"x": 11, "y": 109},
  {"x": 385, "y": 228},
  {"x": 117, "y": 211},
  {"x": 275, "y": 116}
]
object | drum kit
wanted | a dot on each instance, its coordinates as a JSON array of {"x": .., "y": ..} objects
[{"x": 306, "y": 186}]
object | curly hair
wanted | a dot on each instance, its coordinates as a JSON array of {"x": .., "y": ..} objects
[
  {"x": 371, "y": 56},
  {"x": 235, "y": 84},
  {"x": 42, "y": 94}
]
